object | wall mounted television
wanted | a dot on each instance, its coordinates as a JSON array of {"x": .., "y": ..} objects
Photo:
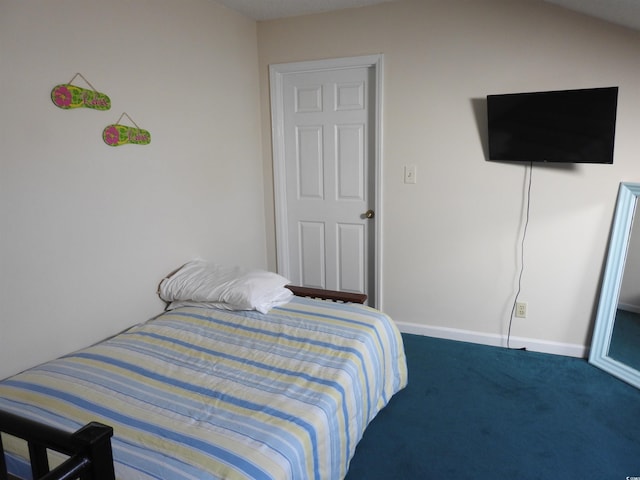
[{"x": 568, "y": 126}]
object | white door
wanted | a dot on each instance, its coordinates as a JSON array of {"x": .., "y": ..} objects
[{"x": 326, "y": 182}]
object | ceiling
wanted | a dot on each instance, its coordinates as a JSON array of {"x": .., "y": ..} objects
[{"x": 622, "y": 12}]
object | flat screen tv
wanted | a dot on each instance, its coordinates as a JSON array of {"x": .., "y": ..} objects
[{"x": 570, "y": 126}]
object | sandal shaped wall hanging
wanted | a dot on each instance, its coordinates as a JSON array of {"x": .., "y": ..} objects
[
  {"x": 68, "y": 96},
  {"x": 116, "y": 134}
]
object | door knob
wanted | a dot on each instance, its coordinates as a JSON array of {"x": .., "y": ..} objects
[{"x": 369, "y": 214}]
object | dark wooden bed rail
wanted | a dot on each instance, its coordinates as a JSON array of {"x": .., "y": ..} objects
[
  {"x": 89, "y": 449},
  {"x": 333, "y": 295}
]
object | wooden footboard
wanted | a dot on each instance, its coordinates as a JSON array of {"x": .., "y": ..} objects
[
  {"x": 333, "y": 295},
  {"x": 89, "y": 449}
]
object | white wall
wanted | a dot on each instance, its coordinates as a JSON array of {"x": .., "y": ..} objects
[
  {"x": 87, "y": 230},
  {"x": 450, "y": 258}
]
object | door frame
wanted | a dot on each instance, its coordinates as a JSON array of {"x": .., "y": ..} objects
[{"x": 277, "y": 72}]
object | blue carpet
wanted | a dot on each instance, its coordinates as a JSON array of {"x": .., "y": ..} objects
[{"x": 478, "y": 412}]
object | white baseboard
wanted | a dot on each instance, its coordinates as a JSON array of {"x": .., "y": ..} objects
[{"x": 494, "y": 340}]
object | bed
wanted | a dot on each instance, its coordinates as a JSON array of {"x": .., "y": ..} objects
[{"x": 212, "y": 393}]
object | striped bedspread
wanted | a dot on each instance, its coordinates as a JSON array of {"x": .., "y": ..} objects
[{"x": 209, "y": 394}]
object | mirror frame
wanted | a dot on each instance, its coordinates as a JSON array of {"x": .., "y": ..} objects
[{"x": 611, "y": 283}]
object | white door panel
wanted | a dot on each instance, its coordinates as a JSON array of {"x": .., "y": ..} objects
[
  {"x": 309, "y": 168},
  {"x": 352, "y": 253},
  {"x": 350, "y": 162},
  {"x": 311, "y": 250}
]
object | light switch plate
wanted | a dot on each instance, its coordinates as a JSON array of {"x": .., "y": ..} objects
[{"x": 409, "y": 174}]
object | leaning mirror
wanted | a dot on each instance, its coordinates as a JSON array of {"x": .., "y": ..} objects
[{"x": 616, "y": 338}]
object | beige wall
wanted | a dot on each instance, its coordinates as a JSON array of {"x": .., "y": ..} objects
[
  {"x": 451, "y": 242},
  {"x": 88, "y": 230}
]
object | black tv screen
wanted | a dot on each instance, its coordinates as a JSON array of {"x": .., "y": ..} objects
[{"x": 574, "y": 126}]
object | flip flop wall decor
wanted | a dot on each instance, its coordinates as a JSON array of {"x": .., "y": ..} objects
[
  {"x": 116, "y": 134},
  {"x": 67, "y": 96}
]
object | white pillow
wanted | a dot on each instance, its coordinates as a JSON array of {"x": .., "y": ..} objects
[
  {"x": 262, "y": 307},
  {"x": 231, "y": 288}
]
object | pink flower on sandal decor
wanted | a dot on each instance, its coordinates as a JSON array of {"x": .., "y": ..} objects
[
  {"x": 61, "y": 96},
  {"x": 111, "y": 135}
]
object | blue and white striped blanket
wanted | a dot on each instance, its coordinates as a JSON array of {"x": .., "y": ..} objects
[{"x": 200, "y": 393}]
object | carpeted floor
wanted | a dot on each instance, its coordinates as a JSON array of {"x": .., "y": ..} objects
[{"x": 479, "y": 412}]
